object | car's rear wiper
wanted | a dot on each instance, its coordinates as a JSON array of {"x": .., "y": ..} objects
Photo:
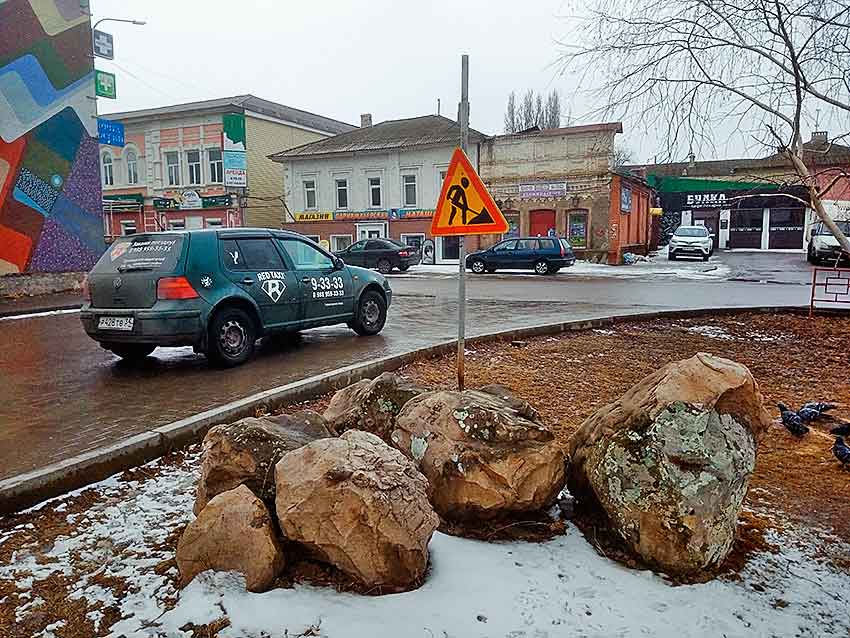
[{"x": 133, "y": 268}]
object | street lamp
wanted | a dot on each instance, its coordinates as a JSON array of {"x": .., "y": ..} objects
[{"x": 136, "y": 22}]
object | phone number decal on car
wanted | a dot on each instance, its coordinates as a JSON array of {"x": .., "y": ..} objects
[{"x": 326, "y": 287}]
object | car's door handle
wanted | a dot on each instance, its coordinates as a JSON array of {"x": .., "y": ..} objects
[
  {"x": 305, "y": 280},
  {"x": 247, "y": 281}
]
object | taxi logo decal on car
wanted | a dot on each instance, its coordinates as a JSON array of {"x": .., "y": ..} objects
[
  {"x": 327, "y": 287},
  {"x": 118, "y": 250},
  {"x": 272, "y": 284}
]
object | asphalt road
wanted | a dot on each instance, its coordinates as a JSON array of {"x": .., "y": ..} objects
[{"x": 62, "y": 395}]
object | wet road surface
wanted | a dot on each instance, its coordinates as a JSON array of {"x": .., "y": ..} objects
[{"x": 62, "y": 395}]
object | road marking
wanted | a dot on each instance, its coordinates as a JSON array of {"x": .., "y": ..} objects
[{"x": 41, "y": 314}]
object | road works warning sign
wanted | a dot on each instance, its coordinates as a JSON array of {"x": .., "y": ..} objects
[{"x": 465, "y": 207}]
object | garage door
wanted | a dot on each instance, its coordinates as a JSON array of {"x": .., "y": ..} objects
[
  {"x": 745, "y": 227},
  {"x": 786, "y": 228}
]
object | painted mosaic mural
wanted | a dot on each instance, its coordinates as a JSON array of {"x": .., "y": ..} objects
[{"x": 50, "y": 218}]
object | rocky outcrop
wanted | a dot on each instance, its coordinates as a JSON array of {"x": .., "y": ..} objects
[
  {"x": 246, "y": 451},
  {"x": 371, "y": 405},
  {"x": 359, "y": 505},
  {"x": 670, "y": 461},
  {"x": 485, "y": 454},
  {"x": 234, "y": 532}
]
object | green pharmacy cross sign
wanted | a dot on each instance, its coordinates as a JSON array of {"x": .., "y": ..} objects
[{"x": 104, "y": 84}]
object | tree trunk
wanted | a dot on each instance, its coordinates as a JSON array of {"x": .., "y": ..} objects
[{"x": 816, "y": 202}]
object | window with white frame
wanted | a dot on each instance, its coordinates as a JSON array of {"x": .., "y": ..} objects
[
  {"x": 132, "y": 167},
  {"x": 340, "y": 242},
  {"x": 408, "y": 190},
  {"x": 108, "y": 175},
  {"x": 214, "y": 222},
  {"x": 309, "y": 194},
  {"x": 172, "y": 162},
  {"x": 341, "y": 193},
  {"x": 313, "y": 238},
  {"x": 128, "y": 227},
  {"x": 414, "y": 240},
  {"x": 375, "y": 192},
  {"x": 177, "y": 224},
  {"x": 193, "y": 161},
  {"x": 216, "y": 166}
]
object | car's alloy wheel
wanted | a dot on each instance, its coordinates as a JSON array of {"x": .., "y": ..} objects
[
  {"x": 541, "y": 267},
  {"x": 478, "y": 266},
  {"x": 384, "y": 266}
]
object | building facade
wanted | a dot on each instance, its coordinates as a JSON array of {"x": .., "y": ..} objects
[
  {"x": 560, "y": 181},
  {"x": 173, "y": 170},
  {"x": 49, "y": 186},
  {"x": 753, "y": 203},
  {"x": 377, "y": 181}
]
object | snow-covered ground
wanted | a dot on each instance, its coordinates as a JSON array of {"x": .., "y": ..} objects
[
  {"x": 559, "y": 588},
  {"x": 657, "y": 267}
]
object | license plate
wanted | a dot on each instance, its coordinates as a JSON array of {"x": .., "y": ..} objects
[{"x": 115, "y": 323}]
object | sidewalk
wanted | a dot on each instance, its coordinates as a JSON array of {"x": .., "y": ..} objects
[{"x": 10, "y": 307}]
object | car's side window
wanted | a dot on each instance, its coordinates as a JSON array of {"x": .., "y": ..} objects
[
  {"x": 306, "y": 257},
  {"x": 547, "y": 244},
  {"x": 250, "y": 254},
  {"x": 357, "y": 247},
  {"x": 375, "y": 245},
  {"x": 527, "y": 244},
  {"x": 508, "y": 245}
]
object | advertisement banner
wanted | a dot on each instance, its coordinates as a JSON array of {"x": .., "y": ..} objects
[
  {"x": 109, "y": 132},
  {"x": 233, "y": 132},
  {"x": 235, "y": 168},
  {"x": 411, "y": 213}
]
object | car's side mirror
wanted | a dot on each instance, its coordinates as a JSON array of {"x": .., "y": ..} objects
[{"x": 339, "y": 264}]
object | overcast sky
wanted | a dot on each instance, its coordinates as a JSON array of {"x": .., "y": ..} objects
[{"x": 343, "y": 58}]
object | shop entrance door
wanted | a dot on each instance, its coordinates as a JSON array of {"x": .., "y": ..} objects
[
  {"x": 541, "y": 222},
  {"x": 786, "y": 228},
  {"x": 745, "y": 226}
]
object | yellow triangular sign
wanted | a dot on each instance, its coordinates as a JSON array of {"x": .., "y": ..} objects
[{"x": 465, "y": 207}]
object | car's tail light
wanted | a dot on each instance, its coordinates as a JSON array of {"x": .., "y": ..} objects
[
  {"x": 175, "y": 288},
  {"x": 403, "y": 253},
  {"x": 563, "y": 251},
  {"x": 86, "y": 289}
]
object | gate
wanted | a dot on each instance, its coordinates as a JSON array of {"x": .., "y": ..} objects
[{"x": 830, "y": 289}]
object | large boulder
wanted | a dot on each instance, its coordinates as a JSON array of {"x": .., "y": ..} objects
[
  {"x": 485, "y": 453},
  {"x": 359, "y": 505},
  {"x": 670, "y": 461},
  {"x": 245, "y": 452},
  {"x": 234, "y": 532},
  {"x": 371, "y": 405}
]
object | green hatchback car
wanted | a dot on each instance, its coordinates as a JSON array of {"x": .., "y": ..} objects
[{"x": 220, "y": 290}]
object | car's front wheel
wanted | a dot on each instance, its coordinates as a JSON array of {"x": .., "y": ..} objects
[
  {"x": 478, "y": 267},
  {"x": 541, "y": 267},
  {"x": 371, "y": 314},
  {"x": 232, "y": 337},
  {"x": 384, "y": 266},
  {"x": 671, "y": 256},
  {"x": 130, "y": 351}
]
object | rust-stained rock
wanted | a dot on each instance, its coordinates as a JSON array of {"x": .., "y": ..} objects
[
  {"x": 360, "y": 505},
  {"x": 245, "y": 452},
  {"x": 485, "y": 453},
  {"x": 670, "y": 461},
  {"x": 371, "y": 405},
  {"x": 234, "y": 532}
]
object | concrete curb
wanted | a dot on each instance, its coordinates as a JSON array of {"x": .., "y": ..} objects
[
  {"x": 31, "y": 488},
  {"x": 5, "y": 314}
]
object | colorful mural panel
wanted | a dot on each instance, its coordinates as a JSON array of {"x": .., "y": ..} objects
[{"x": 50, "y": 198}]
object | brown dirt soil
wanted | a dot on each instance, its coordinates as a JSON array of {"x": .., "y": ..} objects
[{"x": 794, "y": 359}]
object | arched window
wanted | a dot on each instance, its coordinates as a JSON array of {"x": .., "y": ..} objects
[
  {"x": 132, "y": 168},
  {"x": 108, "y": 177}
]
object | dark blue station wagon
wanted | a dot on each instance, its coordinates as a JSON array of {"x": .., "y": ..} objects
[{"x": 544, "y": 255}]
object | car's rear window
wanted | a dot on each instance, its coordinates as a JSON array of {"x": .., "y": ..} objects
[{"x": 142, "y": 252}]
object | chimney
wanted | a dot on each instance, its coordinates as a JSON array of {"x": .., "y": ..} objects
[
  {"x": 692, "y": 159},
  {"x": 820, "y": 138},
  {"x": 366, "y": 120}
]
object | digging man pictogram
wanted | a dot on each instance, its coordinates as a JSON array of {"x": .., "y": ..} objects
[{"x": 457, "y": 196}]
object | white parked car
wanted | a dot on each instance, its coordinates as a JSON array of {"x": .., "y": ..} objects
[
  {"x": 823, "y": 246},
  {"x": 691, "y": 241}
]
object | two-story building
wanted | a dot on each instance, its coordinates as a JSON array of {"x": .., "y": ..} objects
[
  {"x": 380, "y": 180},
  {"x": 173, "y": 171},
  {"x": 560, "y": 181}
]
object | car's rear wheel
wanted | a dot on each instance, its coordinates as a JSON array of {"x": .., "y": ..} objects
[
  {"x": 810, "y": 255},
  {"x": 384, "y": 266},
  {"x": 541, "y": 267},
  {"x": 130, "y": 351},
  {"x": 478, "y": 267},
  {"x": 371, "y": 314},
  {"x": 232, "y": 337}
]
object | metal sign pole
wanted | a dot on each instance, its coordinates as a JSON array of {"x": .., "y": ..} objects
[{"x": 463, "y": 115}]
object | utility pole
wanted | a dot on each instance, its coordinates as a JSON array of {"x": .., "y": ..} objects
[{"x": 463, "y": 112}]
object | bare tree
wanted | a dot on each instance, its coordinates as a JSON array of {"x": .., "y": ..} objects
[
  {"x": 511, "y": 114},
  {"x": 621, "y": 156},
  {"x": 693, "y": 65},
  {"x": 552, "y": 116},
  {"x": 527, "y": 112},
  {"x": 538, "y": 111}
]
